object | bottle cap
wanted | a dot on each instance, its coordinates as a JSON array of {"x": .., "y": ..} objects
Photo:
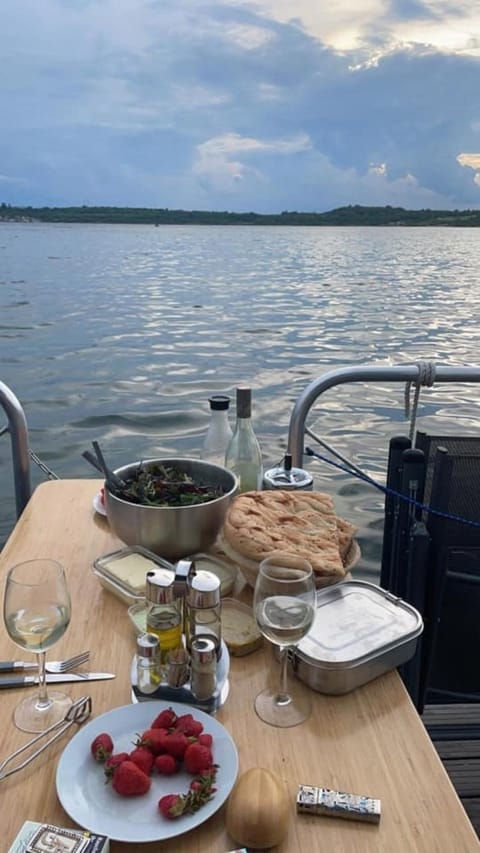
[
  {"x": 203, "y": 590},
  {"x": 244, "y": 402},
  {"x": 159, "y": 586},
  {"x": 219, "y": 402},
  {"x": 203, "y": 650},
  {"x": 147, "y": 645}
]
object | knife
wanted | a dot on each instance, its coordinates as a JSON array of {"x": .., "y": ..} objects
[{"x": 57, "y": 678}]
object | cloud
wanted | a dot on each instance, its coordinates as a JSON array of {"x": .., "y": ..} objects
[{"x": 239, "y": 104}]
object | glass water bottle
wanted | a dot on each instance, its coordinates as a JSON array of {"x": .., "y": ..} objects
[
  {"x": 219, "y": 432},
  {"x": 244, "y": 456}
]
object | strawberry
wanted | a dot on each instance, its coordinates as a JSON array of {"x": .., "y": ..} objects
[
  {"x": 129, "y": 780},
  {"x": 166, "y": 764},
  {"x": 197, "y": 758},
  {"x": 165, "y": 719},
  {"x": 112, "y": 763},
  {"x": 171, "y": 806},
  {"x": 154, "y": 739},
  {"x": 176, "y": 743},
  {"x": 102, "y": 747},
  {"x": 189, "y": 725},
  {"x": 143, "y": 758},
  {"x": 205, "y": 739}
]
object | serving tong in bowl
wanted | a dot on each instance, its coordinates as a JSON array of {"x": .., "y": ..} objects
[{"x": 77, "y": 713}]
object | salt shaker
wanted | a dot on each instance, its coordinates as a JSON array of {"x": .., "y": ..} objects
[
  {"x": 148, "y": 663},
  {"x": 203, "y": 609},
  {"x": 203, "y": 668},
  {"x": 164, "y": 610}
]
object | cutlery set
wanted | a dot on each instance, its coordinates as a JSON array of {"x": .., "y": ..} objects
[{"x": 16, "y": 673}]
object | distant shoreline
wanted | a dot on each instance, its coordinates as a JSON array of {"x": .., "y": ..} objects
[{"x": 349, "y": 215}]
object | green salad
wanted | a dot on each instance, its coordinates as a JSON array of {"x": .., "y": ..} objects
[{"x": 155, "y": 484}]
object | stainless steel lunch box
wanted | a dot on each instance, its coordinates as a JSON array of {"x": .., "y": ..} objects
[{"x": 359, "y": 632}]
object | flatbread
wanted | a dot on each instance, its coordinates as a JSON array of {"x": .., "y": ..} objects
[{"x": 265, "y": 523}]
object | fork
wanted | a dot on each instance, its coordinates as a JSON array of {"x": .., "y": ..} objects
[{"x": 58, "y": 666}]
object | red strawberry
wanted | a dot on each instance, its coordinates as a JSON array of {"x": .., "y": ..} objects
[
  {"x": 189, "y": 725},
  {"x": 102, "y": 747},
  {"x": 129, "y": 780},
  {"x": 165, "y": 719},
  {"x": 174, "y": 805},
  {"x": 197, "y": 759},
  {"x": 143, "y": 758},
  {"x": 171, "y": 806},
  {"x": 154, "y": 739},
  {"x": 166, "y": 764},
  {"x": 205, "y": 739},
  {"x": 112, "y": 763},
  {"x": 175, "y": 743}
]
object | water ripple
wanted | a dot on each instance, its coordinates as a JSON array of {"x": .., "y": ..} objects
[{"x": 128, "y": 332}]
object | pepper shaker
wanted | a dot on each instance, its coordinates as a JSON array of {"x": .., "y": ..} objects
[{"x": 203, "y": 668}]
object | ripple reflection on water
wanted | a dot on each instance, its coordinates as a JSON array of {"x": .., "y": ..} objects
[{"x": 121, "y": 333}]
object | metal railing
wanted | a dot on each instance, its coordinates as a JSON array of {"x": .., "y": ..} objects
[
  {"x": 18, "y": 430},
  {"x": 362, "y": 373}
]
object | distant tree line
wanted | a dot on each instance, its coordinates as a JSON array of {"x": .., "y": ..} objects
[{"x": 354, "y": 214}]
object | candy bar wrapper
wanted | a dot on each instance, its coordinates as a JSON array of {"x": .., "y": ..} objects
[
  {"x": 44, "y": 838},
  {"x": 324, "y": 801}
]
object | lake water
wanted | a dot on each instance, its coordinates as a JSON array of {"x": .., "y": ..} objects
[{"x": 120, "y": 333}]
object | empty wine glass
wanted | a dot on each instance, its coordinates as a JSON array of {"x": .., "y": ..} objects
[
  {"x": 36, "y": 612},
  {"x": 284, "y": 605}
]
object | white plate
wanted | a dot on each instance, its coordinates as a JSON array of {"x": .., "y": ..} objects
[
  {"x": 98, "y": 505},
  {"x": 95, "y": 806}
]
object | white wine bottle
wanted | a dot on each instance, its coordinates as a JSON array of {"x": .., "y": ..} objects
[
  {"x": 219, "y": 432},
  {"x": 243, "y": 455}
]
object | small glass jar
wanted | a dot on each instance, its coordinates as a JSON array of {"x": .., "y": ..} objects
[
  {"x": 203, "y": 609},
  {"x": 164, "y": 610},
  {"x": 177, "y": 667},
  {"x": 148, "y": 663},
  {"x": 203, "y": 668}
]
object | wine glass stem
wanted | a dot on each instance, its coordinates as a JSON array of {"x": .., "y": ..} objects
[
  {"x": 43, "y": 700},
  {"x": 282, "y": 695}
]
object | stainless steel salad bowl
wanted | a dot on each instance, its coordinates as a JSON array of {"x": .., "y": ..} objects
[{"x": 172, "y": 532}]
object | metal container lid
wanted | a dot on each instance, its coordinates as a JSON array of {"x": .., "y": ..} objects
[
  {"x": 203, "y": 590},
  {"x": 203, "y": 650},
  {"x": 287, "y": 478},
  {"x": 159, "y": 586},
  {"x": 355, "y": 622},
  {"x": 147, "y": 645}
]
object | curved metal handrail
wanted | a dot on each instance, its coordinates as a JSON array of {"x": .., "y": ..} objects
[
  {"x": 361, "y": 373},
  {"x": 17, "y": 427}
]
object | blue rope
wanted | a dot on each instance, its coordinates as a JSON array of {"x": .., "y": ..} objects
[{"x": 387, "y": 491}]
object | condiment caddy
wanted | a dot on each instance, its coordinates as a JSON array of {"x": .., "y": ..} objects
[{"x": 181, "y": 657}]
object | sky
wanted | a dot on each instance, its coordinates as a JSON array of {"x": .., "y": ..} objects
[{"x": 240, "y": 105}]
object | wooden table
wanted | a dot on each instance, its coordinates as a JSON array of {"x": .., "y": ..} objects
[{"x": 368, "y": 742}]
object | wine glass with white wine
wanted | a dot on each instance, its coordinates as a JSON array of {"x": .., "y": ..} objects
[
  {"x": 36, "y": 613},
  {"x": 284, "y": 606}
]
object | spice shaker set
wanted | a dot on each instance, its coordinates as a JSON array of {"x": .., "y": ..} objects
[{"x": 183, "y": 643}]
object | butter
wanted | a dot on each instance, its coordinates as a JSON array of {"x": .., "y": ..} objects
[{"x": 130, "y": 570}]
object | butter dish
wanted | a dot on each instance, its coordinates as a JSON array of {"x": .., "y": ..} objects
[{"x": 123, "y": 572}]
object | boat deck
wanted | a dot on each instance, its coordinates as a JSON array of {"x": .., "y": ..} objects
[{"x": 461, "y": 758}]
